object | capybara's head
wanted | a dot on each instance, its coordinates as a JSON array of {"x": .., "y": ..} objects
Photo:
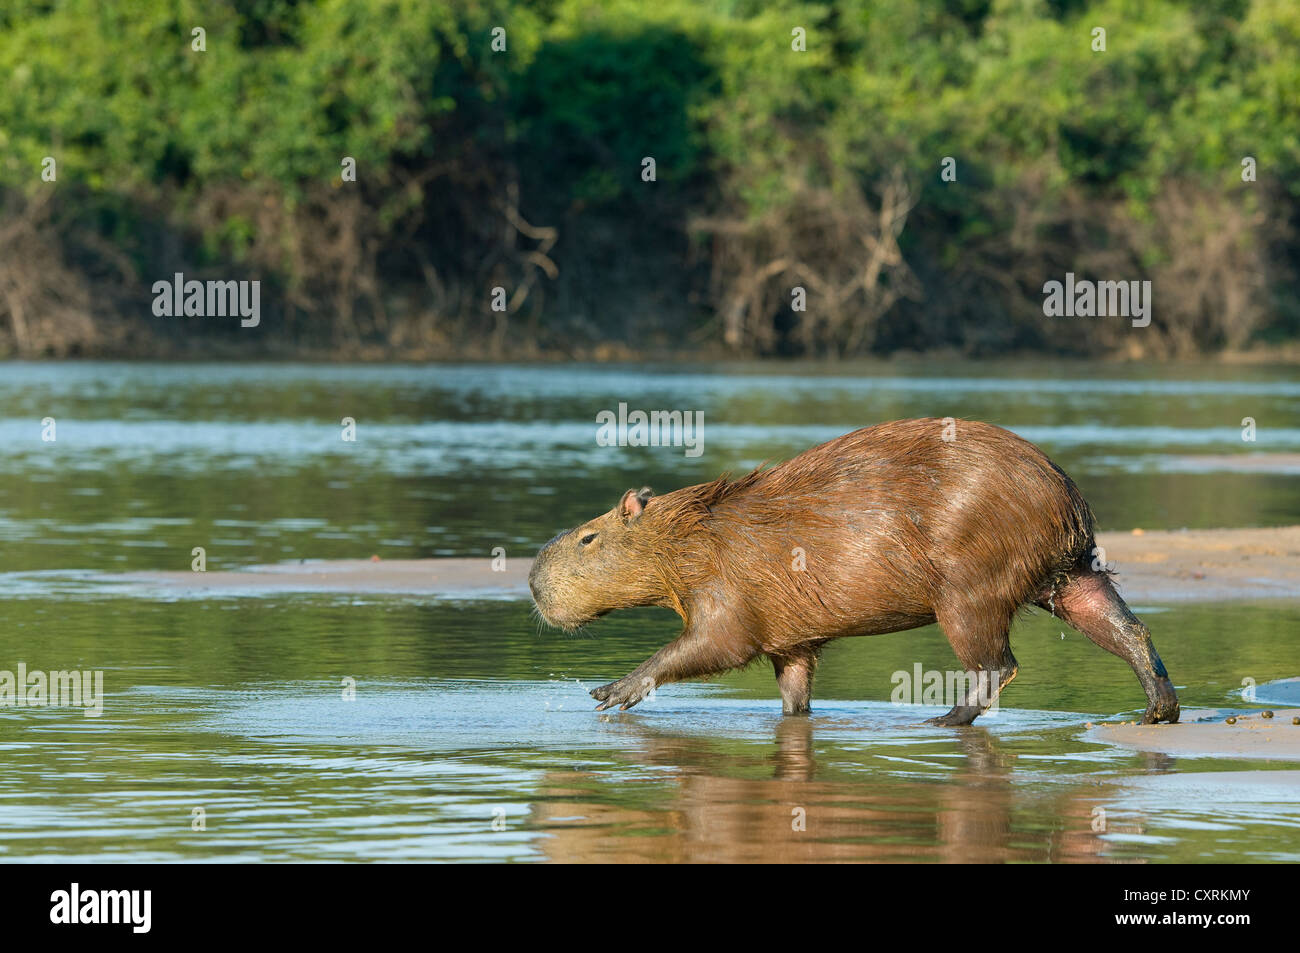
[{"x": 602, "y": 565}]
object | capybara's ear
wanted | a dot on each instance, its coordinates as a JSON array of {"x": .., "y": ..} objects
[{"x": 633, "y": 502}]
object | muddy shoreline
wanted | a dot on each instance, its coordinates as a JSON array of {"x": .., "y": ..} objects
[{"x": 1208, "y": 734}]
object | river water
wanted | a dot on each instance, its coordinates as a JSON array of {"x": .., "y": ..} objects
[{"x": 226, "y": 732}]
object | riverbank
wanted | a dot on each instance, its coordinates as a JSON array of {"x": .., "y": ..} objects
[
  {"x": 142, "y": 345},
  {"x": 1253, "y": 734}
]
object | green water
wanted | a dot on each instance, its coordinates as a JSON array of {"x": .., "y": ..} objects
[{"x": 471, "y": 736}]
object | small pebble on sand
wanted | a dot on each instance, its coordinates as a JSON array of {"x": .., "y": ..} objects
[{"x": 1232, "y": 721}]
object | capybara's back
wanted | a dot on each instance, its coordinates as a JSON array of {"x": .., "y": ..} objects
[
  {"x": 901, "y": 519},
  {"x": 883, "y": 529}
]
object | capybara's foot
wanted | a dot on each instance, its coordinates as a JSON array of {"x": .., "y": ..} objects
[
  {"x": 1153, "y": 716},
  {"x": 625, "y": 693},
  {"x": 1162, "y": 704},
  {"x": 959, "y": 716}
]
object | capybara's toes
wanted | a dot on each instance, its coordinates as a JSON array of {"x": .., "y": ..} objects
[
  {"x": 1158, "y": 713},
  {"x": 623, "y": 693},
  {"x": 609, "y": 695},
  {"x": 956, "y": 717}
]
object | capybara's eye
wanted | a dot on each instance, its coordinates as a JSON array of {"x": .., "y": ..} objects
[{"x": 588, "y": 538}]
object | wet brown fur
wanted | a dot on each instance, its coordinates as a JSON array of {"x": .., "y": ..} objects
[{"x": 898, "y": 528}]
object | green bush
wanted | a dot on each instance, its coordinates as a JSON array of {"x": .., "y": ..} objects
[{"x": 522, "y": 167}]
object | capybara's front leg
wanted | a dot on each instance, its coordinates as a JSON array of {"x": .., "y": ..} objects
[
  {"x": 1090, "y": 603},
  {"x": 690, "y": 655}
]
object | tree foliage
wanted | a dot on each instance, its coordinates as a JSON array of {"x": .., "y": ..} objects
[{"x": 775, "y": 168}]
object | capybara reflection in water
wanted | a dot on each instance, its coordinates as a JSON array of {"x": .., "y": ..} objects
[{"x": 884, "y": 529}]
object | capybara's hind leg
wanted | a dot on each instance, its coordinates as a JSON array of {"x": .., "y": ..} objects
[
  {"x": 983, "y": 644},
  {"x": 1090, "y": 603},
  {"x": 794, "y": 676}
]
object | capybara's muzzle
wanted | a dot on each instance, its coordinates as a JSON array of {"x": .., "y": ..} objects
[{"x": 541, "y": 588}]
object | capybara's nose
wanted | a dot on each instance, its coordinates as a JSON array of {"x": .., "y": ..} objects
[
  {"x": 532, "y": 574},
  {"x": 542, "y": 555}
]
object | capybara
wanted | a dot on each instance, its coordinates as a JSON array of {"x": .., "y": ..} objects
[{"x": 884, "y": 529}]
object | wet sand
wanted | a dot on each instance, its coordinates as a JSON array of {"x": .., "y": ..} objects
[
  {"x": 1205, "y": 565},
  {"x": 1152, "y": 567},
  {"x": 1252, "y": 736},
  {"x": 447, "y": 578},
  {"x": 1284, "y": 463}
]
